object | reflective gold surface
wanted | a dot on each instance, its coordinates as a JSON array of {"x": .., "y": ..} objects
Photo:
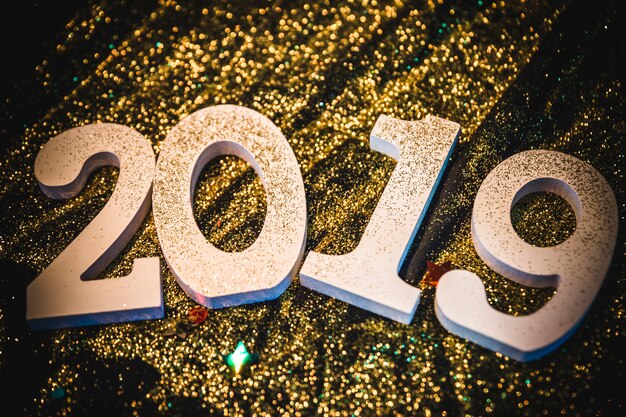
[{"x": 516, "y": 76}]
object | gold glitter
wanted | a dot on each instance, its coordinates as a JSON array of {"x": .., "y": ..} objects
[{"x": 322, "y": 72}]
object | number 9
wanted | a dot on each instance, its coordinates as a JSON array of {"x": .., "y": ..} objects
[{"x": 576, "y": 267}]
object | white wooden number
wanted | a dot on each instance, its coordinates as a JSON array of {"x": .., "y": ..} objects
[
  {"x": 368, "y": 277},
  {"x": 65, "y": 293},
  {"x": 58, "y": 297},
  {"x": 576, "y": 267},
  {"x": 210, "y": 276}
]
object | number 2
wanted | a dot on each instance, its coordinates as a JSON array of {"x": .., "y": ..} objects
[{"x": 65, "y": 294}]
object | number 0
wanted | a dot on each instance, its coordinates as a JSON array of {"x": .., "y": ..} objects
[{"x": 208, "y": 275}]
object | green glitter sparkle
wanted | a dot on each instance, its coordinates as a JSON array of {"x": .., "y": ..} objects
[{"x": 239, "y": 358}]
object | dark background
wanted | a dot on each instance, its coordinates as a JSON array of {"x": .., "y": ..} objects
[{"x": 27, "y": 29}]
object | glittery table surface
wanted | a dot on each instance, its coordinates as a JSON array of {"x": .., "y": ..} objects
[{"x": 516, "y": 76}]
